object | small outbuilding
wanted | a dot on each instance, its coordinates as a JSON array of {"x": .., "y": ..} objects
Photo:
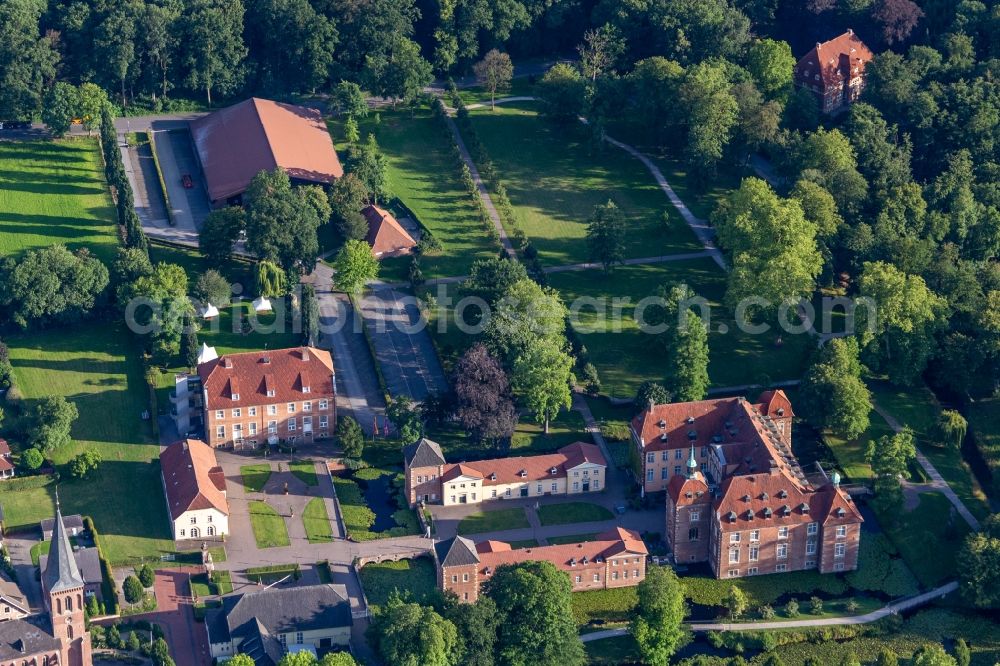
[{"x": 386, "y": 235}]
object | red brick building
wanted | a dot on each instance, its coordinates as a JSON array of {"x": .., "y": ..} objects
[
  {"x": 834, "y": 71},
  {"x": 746, "y": 507},
  {"x": 616, "y": 558},
  {"x": 275, "y": 395}
]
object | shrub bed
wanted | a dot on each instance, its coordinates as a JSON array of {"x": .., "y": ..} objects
[
  {"x": 762, "y": 589},
  {"x": 613, "y": 605}
]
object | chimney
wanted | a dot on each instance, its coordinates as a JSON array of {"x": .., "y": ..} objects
[
  {"x": 227, "y": 363},
  {"x": 774, "y": 467},
  {"x": 305, "y": 353}
]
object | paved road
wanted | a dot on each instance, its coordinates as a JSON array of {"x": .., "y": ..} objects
[
  {"x": 890, "y": 609},
  {"x": 358, "y": 391},
  {"x": 189, "y": 207},
  {"x": 403, "y": 347},
  {"x": 937, "y": 482},
  {"x": 145, "y": 181}
]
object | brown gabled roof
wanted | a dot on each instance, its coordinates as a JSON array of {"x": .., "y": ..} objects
[
  {"x": 777, "y": 499},
  {"x": 684, "y": 491},
  {"x": 492, "y": 546},
  {"x": 191, "y": 479},
  {"x": 5, "y": 465},
  {"x": 679, "y": 420},
  {"x": 385, "y": 234},
  {"x": 534, "y": 468},
  {"x": 834, "y": 60},
  {"x": 284, "y": 370},
  {"x": 775, "y": 404},
  {"x": 4, "y": 447},
  {"x": 606, "y": 544},
  {"x": 236, "y": 143}
]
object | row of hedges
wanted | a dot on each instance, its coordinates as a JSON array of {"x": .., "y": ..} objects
[
  {"x": 273, "y": 572},
  {"x": 130, "y": 227},
  {"x": 112, "y": 606},
  {"x": 762, "y": 590},
  {"x": 611, "y": 605},
  {"x": 441, "y": 117}
]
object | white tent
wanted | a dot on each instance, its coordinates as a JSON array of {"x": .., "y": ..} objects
[
  {"x": 206, "y": 354},
  {"x": 209, "y": 311},
  {"x": 262, "y": 305}
]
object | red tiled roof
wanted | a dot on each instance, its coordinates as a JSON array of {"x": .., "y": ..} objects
[
  {"x": 770, "y": 403},
  {"x": 535, "y": 468},
  {"x": 614, "y": 542},
  {"x": 4, "y": 447},
  {"x": 492, "y": 546},
  {"x": 191, "y": 479},
  {"x": 236, "y": 143},
  {"x": 833, "y": 60},
  {"x": 385, "y": 234},
  {"x": 789, "y": 503},
  {"x": 704, "y": 418},
  {"x": 684, "y": 491},
  {"x": 5, "y": 465},
  {"x": 250, "y": 374}
]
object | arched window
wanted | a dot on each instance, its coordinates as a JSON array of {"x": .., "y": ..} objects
[
  {"x": 69, "y": 631},
  {"x": 69, "y": 604},
  {"x": 79, "y": 602},
  {"x": 210, "y": 531},
  {"x": 58, "y": 606},
  {"x": 195, "y": 533}
]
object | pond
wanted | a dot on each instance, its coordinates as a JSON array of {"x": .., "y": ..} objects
[{"x": 378, "y": 496}]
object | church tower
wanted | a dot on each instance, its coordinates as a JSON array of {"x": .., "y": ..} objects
[{"x": 62, "y": 590}]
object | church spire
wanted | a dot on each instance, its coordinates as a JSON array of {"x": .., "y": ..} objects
[
  {"x": 61, "y": 572},
  {"x": 692, "y": 464}
]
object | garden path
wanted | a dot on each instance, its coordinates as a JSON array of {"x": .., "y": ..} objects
[
  {"x": 890, "y": 609},
  {"x": 937, "y": 482}
]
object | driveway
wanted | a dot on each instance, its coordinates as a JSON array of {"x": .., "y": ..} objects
[
  {"x": 186, "y": 637},
  {"x": 403, "y": 347},
  {"x": 358, "y": 392}
]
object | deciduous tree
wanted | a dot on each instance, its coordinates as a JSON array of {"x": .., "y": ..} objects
[
  {"x": 477, "y": 625},
  {"x": 494, "y": 73},
  {"x": 491, "y": 279},
  {"x": 606, "y": 235},
  {"x": 51, "y": 285},
  {"x": 770, "y": 63},
  {"x": 526, "y": 314},
  {"x": 398, "y": 72},
  {"x": 371, "y": 168},
  {"x": 84, "y": 463},
  {"x": 600, "y": 49},
  {"x": 62, "y": 103},
  {"x": 534, "y": 606},
  {"x": 979, "y": 565},
  {"x": 483, "y": 401},
  {"x": 561, "y": 94},
  {"x": 951, "y": 428},
  {"x": 541, "y": 379},
  {"x": 412, "y": 635},
  {"x": 659, "y": 615},
  {"x": 219, "y": 232},
  {"x": 349, "y": 100},
  {"x": 833, "y": 394},
  {"x": 282, "y": 221},
  {"x": 212, "y": 288},
  {"x": 354, "y": 266},
  {"x": 712, "y": 112},
  {"x": 212, "y": 31},
  {"x": 351, "y": 438}
]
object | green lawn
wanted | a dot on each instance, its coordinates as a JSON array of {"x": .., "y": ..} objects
[
  {"x": 554, "y": 181},
  {"x": 423, "y": 175},
  {"x": 268, "y": 527},
  {"x": 268, "y": 331},
  {"x": 255, "y": 476},
  {"x": 95, "y": 366},
  {"x": 927, "y": 538},
  {"x": 984, "y": 422},
  {"x": 305, "y": 471},
  {"x": 55, "y": 192},
  {"x": 414, "y": 578},
  {"x": 500, "y": 520},
  {"x": 917, "y": 408},
  {"x": 572, "y": 538},
  {"x": 317, "y": 521},
  {"x": 626, "y": 357},
  {"x": 573, "y": 512},
  {"x": 850, "y": 453}
]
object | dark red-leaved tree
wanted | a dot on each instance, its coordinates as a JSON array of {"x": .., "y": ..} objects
[
  {"x": 484, "y": 405},
  {"x": 897, "y": 18}
]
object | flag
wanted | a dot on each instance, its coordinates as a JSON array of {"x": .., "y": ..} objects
[
  {"x": 385, "y": 430},
  {"x": 374, "y": 425}
]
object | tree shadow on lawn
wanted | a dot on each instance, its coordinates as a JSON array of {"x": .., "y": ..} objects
[
  {"x": 53, "y": 225},
  {"x": 34, "y": 186}
]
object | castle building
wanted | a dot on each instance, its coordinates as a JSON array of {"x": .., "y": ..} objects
[
  {"x": 742, "y": 503},
  {"x": 834, "y": 71},
  {"x": 59, "y": 638}
]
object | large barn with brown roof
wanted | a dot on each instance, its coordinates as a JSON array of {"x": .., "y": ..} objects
[
  {"x": 195, "y": 487},
  {"x": 236, "y": 143}
]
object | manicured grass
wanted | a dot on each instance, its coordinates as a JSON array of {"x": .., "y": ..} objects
[
  {"x": 499, "y": 520},
  {"x": 55, "y": 192},
  {"x": 223, "y": 582},
  {"x": 614, "y": 651},
  {"x": 268, "y": 329},
  {"x": 529, "y": 438},
  {"x": 850, "y": 454},
  {"x": 572, "y": 538},
  {"x": 554, "y": 180},
  {"x": 761, "y": 589},
  {"x": 414, "y": 578},
  {"x": 573, "y": 512},
  {"x": 317, "y": 521},
  {"x": 95, "y": 366},
  {"x": 612, "y": 605},
  {"x": 627, "y": 357},
  {"x": 423, "y": 175},
  {"x": 255, "y": 476},
  {"x": 272, "y": 573},
  {"x": 305, "y": 471},
  {"x": 917, "y": 408},
  {"x": 928, "y": 538},
  {"x": 268, "y": 527}
]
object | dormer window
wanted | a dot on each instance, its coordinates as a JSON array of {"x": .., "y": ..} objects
[
  {"x": 782, "y": 494},
  {"x": 553, "y": 471},
  {"x": 840, "y": 512},
  {"x": 236, "y": 397},
  {"x": 522, "y": 474},
  {"x": 786, "y": 510},
  {"x": 804, "y": 508},
  {"x": 572, "y": 561},
  {"x": 493, "y": 476},
  {"x": 690, "y": 419},
  {"x": 662, "y": 423},
  {"x": 767, "y": 512},
  {"x": 692, "y": 434},
  {"x": 731, "y": 516},
  {"x": 764, "y": 496},
  {"x": 749, "y": 514},
  {"x": 306, "y": 389},
  {"x": 270, "y": 393},
  {"x": 746, "y": 498},
  {"x": 584, "y": 560}
]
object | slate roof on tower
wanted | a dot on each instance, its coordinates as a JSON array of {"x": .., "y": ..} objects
[
  {"x": 61, "y": 572},
  {"x": 423, "y": 453},
  {"x": 456, "y": 552},
  {"x": 236, "y": 143}
]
